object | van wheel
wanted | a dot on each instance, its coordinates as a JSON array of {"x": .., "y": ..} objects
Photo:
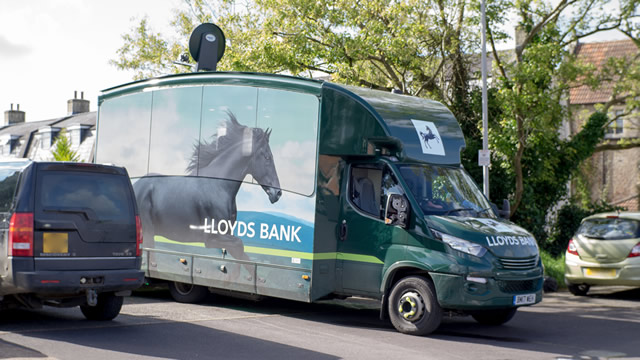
[
  {"x": 187, "y": 293},
  {"x": 494, "y": 317},
  {"x": 108, "y": 307},
  {"x": 413, "y": 306},
  {"x": 578, "y": 289}
]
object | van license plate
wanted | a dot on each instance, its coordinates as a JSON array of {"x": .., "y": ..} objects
[
  {"x": 524, "y": 299},
  {"x": 55, "y": 243}
]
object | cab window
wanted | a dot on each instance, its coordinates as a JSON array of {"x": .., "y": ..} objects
[
  {"x": 370, "y": 187},
  {"x": 365, "y": 189}
]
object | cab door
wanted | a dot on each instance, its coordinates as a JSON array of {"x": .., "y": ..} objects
[{"x": 364, "y": 239}]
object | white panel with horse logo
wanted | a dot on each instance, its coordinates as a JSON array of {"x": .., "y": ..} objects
[{"x": 430, "y": 138}]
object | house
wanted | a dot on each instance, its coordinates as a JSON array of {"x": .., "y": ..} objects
[
  {"x": 611, "y": 175},
  {"x": 35, "y": 139}
]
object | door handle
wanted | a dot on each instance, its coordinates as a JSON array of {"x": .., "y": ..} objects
[{"x": 343, "y": 230}]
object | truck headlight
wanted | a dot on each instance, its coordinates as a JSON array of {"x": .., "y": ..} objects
[{"x": 464, "y": 246}]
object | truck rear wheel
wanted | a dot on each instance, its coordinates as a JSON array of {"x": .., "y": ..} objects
[
  {"x": 413, "y": 306},
  {"x": 107, "y": 308},
  {"x": 494, "y": 317},
  {"x": 187, "y": 293}
]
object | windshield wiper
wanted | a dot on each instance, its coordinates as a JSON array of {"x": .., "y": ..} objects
[
  {"x": 456, "y": 210},
  {"x": 594, "y": 236},
  {"x": 88, "y": 213}
]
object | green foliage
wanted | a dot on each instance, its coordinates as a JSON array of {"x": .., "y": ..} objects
[
  {"x": 62, "y": 151},
  {"x": 547, "y": 169},
  {"x": 567, "y": 222},
  {"x": 553, "y": 266}
]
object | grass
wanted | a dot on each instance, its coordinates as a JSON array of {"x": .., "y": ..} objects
[{"x": 553, "y": 267}]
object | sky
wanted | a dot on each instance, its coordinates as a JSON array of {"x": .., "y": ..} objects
[{"x": 51, "y": 48}]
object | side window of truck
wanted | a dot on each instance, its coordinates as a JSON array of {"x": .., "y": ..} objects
[{"x": 365, "y": 189}]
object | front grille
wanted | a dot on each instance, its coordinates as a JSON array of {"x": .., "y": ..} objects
[
  {"x": 519, "y": 264},
  {"x": 517, "y": 286}
]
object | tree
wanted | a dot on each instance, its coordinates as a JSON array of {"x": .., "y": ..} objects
[
  {"x": 403, "y": 45},
  {"x": 533, "y": 86},
  {"x": 62, "y": 151}
]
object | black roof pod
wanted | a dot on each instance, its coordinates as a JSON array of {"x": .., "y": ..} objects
[{"x": 206, "y": 46}]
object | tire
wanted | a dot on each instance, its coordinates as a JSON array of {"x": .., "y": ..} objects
[
  {"x": 187, "y": 293},
  {"x": 108, "y": 308},
  {"x": 494, "y": 317},
  {"x": 413, "y": 307},
  {"x": 578, "y": 289}
]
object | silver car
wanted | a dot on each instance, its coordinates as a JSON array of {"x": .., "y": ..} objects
[{"x": 604, "y": 251}]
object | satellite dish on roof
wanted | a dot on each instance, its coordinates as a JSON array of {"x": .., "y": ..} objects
[{"x": 206, "y": 46}]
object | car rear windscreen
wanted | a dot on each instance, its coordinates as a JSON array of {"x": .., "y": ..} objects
[
  {"x": 107, "y": 198},
  {"x": 610, "y": 229}
]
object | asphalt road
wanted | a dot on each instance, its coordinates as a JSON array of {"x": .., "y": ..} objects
[{"x": 604, "y": 324}]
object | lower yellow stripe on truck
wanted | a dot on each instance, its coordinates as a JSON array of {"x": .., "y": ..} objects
[{"x": 289, "y": 253}]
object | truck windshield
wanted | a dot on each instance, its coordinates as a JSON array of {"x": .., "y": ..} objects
[{"x": 445, "y": 191}]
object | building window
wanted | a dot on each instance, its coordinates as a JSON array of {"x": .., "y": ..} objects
[{"x": 616, "y": 127}]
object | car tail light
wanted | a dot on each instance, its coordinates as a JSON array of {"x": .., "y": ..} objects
[
  {"x": 635, "y": 251},
  {"x": 138, "y": 236},
  {"x": 572, "y": 248},
  {"x": 21, "y": 234}
]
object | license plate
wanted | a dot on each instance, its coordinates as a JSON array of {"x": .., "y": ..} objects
[
  {"x": 55, "y": 243},
  {"x": 599, "y": 272},
  {"x": 525, "y": 299}
]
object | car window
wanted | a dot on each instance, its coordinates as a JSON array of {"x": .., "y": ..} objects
[
  {"x": 8, "y": 182},
  {"x": 610, "y": 229},
  {"x": 108, "y": 197}
]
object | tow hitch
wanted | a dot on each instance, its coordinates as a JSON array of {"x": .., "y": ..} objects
[{"x": 92, "y": 297}]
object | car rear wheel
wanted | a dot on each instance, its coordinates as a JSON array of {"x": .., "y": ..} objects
[
  {"x": 494, "y": 317},
  {"x": 107, "y": 308},
  {"x": 187, "y": 293},
  {"x": 578, "y": 289},
  {"x": 413, "y": 306}
]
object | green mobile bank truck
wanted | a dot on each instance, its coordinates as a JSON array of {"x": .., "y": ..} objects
[{"x": 301, "y": 189}]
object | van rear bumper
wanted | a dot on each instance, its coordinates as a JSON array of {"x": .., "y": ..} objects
[
  {"x": 76, "y": 282},
  {"x": 456, "y": 292}
]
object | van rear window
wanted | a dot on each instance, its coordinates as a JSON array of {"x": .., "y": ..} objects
[{"x": 97, "y": 195}]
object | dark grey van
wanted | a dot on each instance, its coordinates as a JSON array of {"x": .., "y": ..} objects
[{"x": 70, "y": 235}]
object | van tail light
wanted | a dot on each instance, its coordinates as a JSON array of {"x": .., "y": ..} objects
[
  {"x": 635, "y": 251},
  {"x": 21, "y": 234},
  {"x": 138, "y": 236},
  {"x": 572, "y": 248}
]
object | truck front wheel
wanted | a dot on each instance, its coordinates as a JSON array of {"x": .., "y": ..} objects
[
  {"x": 187, "y": 293},
  {"x": 413, "y": 306}
]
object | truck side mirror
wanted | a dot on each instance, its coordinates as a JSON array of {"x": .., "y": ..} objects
[
  {"x": 396, "y": 211},
  {"x": 505, "y": 213}
]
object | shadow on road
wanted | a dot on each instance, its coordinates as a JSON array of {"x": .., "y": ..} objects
[
  {"x": 162, "y": 339},
  {"x": 9, "y": 350},
  {"x": 562, "y": 325}
]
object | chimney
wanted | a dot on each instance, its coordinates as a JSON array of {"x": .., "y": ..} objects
[
  {"x": 13, "y": 116},
  {"x": 77, "y": 106}
]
